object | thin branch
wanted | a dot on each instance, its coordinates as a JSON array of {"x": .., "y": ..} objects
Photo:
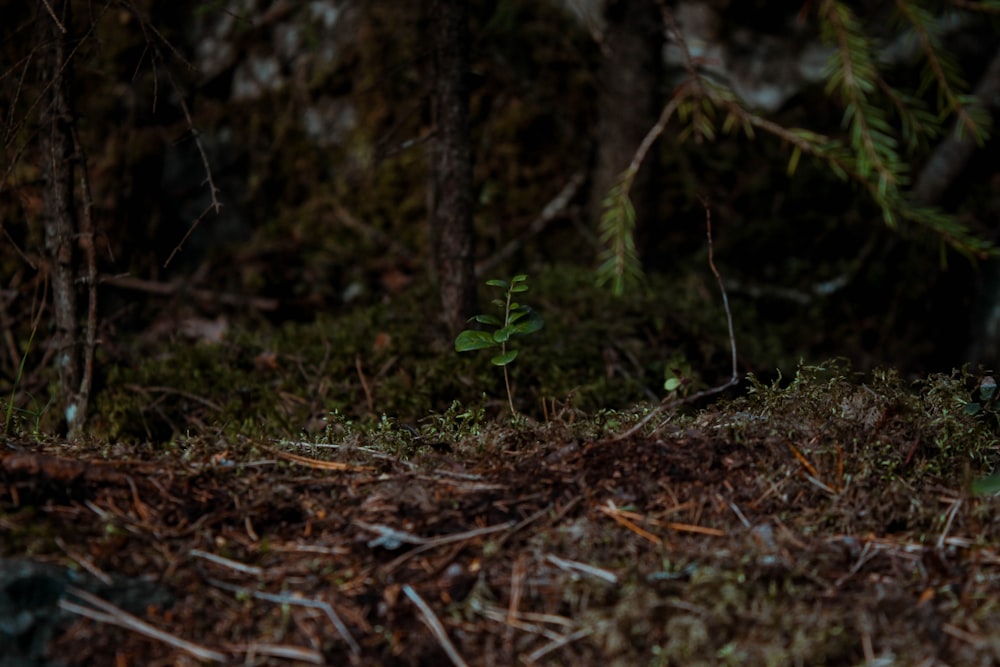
[
  {"x": 537, "y": 655},
  {"x": 733, "y": 381},
  {"x": 556, "y": 205},
  {"x": 949, "y": 158},
  {"x": 106, "y": 612},
  {"x": 426, "y": 544},
  {"x": 175, "y": 287},
  {"x": 292, "y": 599},
  {"x": 435, "y": 626},
  {"x": 52, "y": 13},
  {"x": 213, "y": 191},
  {"x": 655, "y": 132},
  {"x": 227, "y": 562},
  {"x": 371, "y": 233}
]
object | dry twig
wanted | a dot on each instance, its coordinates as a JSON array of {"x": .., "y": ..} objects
[
  {"x": 291, "y": 599},
  {"x": 226, "y": 562},
  {"x": 548, "y": 214},
  {"x": 436, "y": 628},
  {"x": 106, "y": 612},
  {"x": 733, "y": 381}
]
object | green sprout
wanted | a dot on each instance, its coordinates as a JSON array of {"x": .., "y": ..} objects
[
  {"x": 518, "y": 320},
  {"x": 987, "y": 404}
]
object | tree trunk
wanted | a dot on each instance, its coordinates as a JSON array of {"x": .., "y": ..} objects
[
  {"x": 630, "y": 80},
  {"x": 451, "y": 217},
  {"x": 59, "y": 208}
]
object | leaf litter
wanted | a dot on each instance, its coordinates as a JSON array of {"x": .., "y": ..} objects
[{"x": 825, "y": 520}]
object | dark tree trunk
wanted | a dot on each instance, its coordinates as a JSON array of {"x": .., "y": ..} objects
[
  {"x": 629, "y": 103},
  {"x": 59, "y": 208},
  {"x": 451, "y": 217}
]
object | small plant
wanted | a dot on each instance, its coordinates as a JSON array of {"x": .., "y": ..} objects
[
  {"x": 987, "y": 405},
  {"x": 987, "y": 397},
  {"x": 518, "y": 320},
  {"x": 9, "y": 422}
]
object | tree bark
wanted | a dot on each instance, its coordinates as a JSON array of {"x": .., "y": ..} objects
[
  {"x": 59, "y": 207},
  {"x": 629, "y": 102},
  {"x": 451, "y": 217}
]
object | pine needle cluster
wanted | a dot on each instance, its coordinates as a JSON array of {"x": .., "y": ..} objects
[{"x": 884, "y": 127}]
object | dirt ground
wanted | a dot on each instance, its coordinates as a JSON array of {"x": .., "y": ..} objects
[{"x": 826, "y": 521}]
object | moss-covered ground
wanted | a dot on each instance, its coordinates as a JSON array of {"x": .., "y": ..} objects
[{"x": 352, "y": 491}]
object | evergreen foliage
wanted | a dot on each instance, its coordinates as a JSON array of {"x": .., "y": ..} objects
[
  {"x": 884, "y": 128},
  {"x": 619, "y": 261}
]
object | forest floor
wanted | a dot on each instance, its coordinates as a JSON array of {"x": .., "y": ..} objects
[{"x": 823, "y": 521}]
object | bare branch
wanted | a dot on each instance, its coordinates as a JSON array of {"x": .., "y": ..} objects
[
  {"x": 55, "y": 18},
  {"x": 733, "y": 381}
]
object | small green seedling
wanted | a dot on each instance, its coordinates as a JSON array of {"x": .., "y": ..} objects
[
  {"x": 985, "y": 486},
  {"x": 987, "y": 396},
  {"x": 518, "y": 320}
]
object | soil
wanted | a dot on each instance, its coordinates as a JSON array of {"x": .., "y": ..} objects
[{"x": 826, "y": 521}]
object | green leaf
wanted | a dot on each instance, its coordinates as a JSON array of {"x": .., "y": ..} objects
[
  {"x": 505, "y": 358},
  {"x": 986, "y": 486},
  {"x": 501, "y": 335},
  {"x": 793, "y": 163},
  {"x": 672, "y": 384},
  {"x": 473, "y": 340},
  {"x": 518, "y": 288},
  {"x": 492, "y": 320},
  {"x": 496, "y": 282},
  {"x": 519, "y": 278},
  {"x": 972, "y": 408},
  {"x": 530, "y": 325}
]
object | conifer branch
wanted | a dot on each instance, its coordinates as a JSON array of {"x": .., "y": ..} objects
[
  {"x": 869, "y": 155},
  {"x": 940, "y": 69},
  {"x": 853, "y": 74}
]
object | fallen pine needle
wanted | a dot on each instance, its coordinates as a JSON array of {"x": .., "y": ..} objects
[
  {"x": 574, "y": 566},
  {"x": 318, "y": 464},
  {"x": 623, "y": 517},
  {"x": 226, "y": 562},
  {"x": 290, "y": 599},
  {"x": 285, "y": 651},
  {"x": 106, "y": 612},
  {"x": 562, "y": 641},
  {"x": 432, "y": 622},
  {"x": 641, "y": 532},
  {"x": 802, "y": 459},
  {"x": 691, "y": 528}
]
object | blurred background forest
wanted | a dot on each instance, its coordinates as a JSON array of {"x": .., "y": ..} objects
[{"x": 249, "y": 185}]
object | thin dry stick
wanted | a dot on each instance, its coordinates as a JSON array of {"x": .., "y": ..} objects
[
  {"x": 227, "y": 562},
  {"x": 213, "y": 191},
  {"x": 364, "y": 383},
  {"x": 431, "y": 543},
  {"x": 291, "y": 599},
  {"x": 106, "y": 612},
  {"x": 281, "y": 651},
  {"x": 733, "y": 381},
  {"x": 562, "y": 641},
  {"x": 435, "y": 626},
  {"x": 55, "y": 18},
  {"x": 548, "y": 214},
  {"x": 516, "y": 588},
  {"x": 180, "y": 287},
  {"x": 574, "y": 566}
]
